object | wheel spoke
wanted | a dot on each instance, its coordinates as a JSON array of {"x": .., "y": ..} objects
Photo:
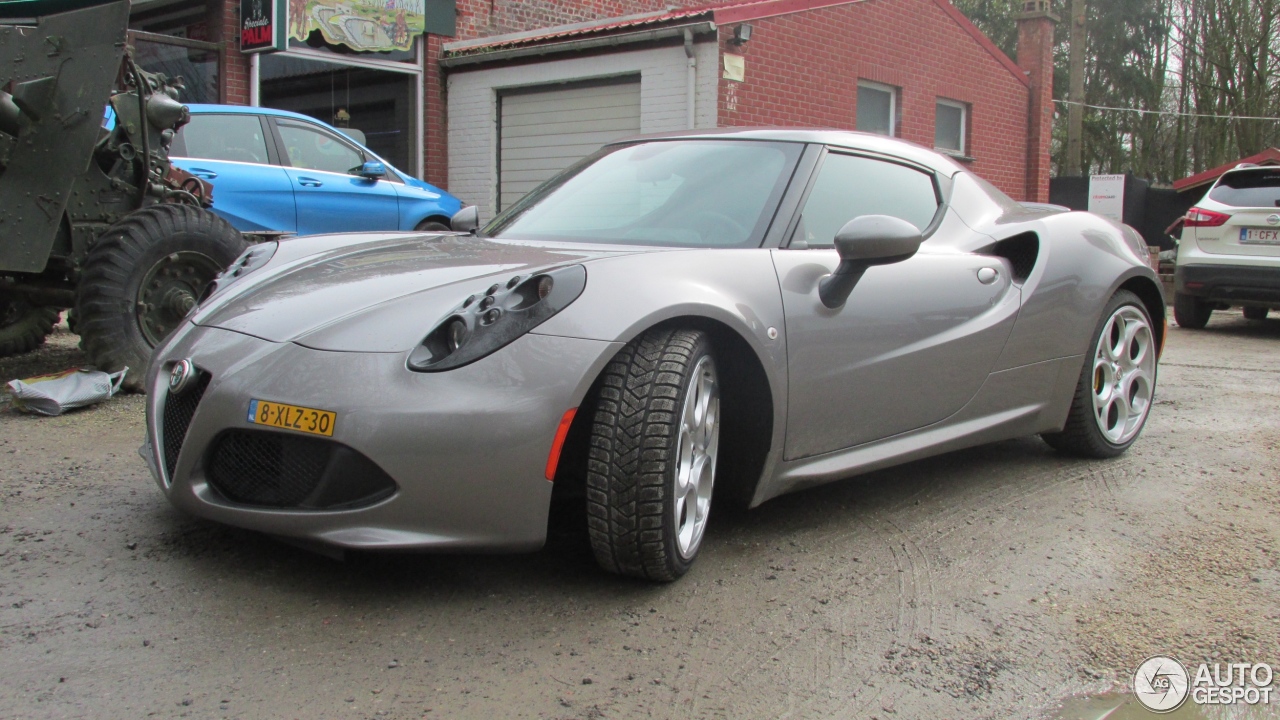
[
  {"x": 1114, "y": 329},
  {"x": 698, "y": 445}
]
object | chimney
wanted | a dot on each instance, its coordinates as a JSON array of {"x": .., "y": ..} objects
[{"x": 1035, "y": 57}]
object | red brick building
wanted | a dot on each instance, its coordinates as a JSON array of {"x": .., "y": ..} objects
[{"x": 522, "y": 87}]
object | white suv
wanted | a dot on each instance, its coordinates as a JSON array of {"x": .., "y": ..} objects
[{"x": 1229, "y": 253}]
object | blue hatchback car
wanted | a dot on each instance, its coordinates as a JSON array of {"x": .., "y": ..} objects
[{"x": 278, "y": 171}]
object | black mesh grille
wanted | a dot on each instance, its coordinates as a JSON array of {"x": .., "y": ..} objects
[
  {"x": 273, "y": 469},
  {"x": 178, "y": 409},
  {"x": 1021, "y": 251}
]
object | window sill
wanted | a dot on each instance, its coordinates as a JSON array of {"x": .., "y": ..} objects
[{"x": 958, "y": 157}]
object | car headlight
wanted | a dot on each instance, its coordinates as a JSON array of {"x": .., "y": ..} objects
[
  {"x": 486, "y": 322},
  {"x": 252, "y": 259}
]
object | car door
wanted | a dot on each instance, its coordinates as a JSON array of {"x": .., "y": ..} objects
[
  {"x": 232, "y": 152},
  {"x": 329, "y": 196},
  {"x": 914, "y": 341}
]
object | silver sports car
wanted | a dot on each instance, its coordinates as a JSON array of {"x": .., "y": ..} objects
[{"x": 740, "y": 313}]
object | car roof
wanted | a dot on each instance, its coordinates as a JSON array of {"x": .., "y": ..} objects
[
  {"x": 860, "y": 141},
  {"x": 249, "y": 110}
]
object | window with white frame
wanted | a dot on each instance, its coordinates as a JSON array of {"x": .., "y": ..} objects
[
  {"x": 951, "y": 126},
  {"x": 877, "y": 108}
]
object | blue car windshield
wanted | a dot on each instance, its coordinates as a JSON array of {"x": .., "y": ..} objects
[{"x": 682, "y": 193}]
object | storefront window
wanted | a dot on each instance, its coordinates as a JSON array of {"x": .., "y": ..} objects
[
  {"x": 377, "y": 106},
  {"x": 198, "y": 68}
]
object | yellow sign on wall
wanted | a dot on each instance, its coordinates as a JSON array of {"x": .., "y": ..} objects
[{"x": 362, "y": 25}]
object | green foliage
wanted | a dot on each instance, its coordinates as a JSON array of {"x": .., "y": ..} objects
[{"x": 1177, "y": 57}]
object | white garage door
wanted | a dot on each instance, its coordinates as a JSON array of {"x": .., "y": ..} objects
[{"x": 546, "y": 131}]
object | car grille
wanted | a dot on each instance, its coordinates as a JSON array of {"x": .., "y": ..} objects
[
  {"x": 178, "y": 411},
  {"x": 278, "y": 470}
]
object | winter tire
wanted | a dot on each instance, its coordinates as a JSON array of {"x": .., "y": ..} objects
[
  {"x": 23, "y": 326},
  {"x": 1191, "y": 312},
  {"x": 141, "y": 279},
  {"x": 1117, "y": 383},
  {"x": 652, "y": 455}
]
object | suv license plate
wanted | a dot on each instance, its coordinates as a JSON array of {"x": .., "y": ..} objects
[
  {"x": 1259, "y": 236},
  {"x": 292, "y": 417}
]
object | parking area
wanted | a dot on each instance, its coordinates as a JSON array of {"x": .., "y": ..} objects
[{"x": 989, "y": 583}]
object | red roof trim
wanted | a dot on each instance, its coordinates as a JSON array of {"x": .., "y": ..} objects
[
  {"x": 771, "y": 8},
  {"x": 967, "y": 25},
  {"x": 1270, "y": 155},
  {"x": 574, "y": 30}
]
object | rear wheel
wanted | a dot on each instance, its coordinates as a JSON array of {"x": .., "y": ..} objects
[
  {"x": 1191, "y": 312},
  {"x": 652, "y": 458},
  {"x": 143, "y": 277},
  {"x": 1117, "y": 383},
  {"x": 23, "y": 326},
  {"x": 1255, "y": 313}
]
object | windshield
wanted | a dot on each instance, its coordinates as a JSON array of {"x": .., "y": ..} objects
[
  {"x": 1254, "y": 188},
  {"x": 686, "y": 193}
]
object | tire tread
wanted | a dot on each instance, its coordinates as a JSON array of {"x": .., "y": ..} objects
[{"x": 630, "y": 451}]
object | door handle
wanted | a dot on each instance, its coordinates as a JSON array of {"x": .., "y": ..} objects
[
  {"x": 309, "y": 182},
  {"x": 202, "y": 173}
]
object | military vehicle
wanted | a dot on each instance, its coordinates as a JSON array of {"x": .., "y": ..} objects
[{"x": 93, "y": 218}]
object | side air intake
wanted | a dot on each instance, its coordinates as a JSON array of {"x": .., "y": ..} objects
[{"x": 1021, "y": 251}]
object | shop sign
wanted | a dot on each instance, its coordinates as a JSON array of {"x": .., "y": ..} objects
[
  {"x": 262, "y": 26},
  {"x": 362, "y": 25}
]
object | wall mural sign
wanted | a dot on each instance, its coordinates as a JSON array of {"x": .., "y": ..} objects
[
  {"x": 262, "y": 26},
  {"x": 362, "y": 25}
]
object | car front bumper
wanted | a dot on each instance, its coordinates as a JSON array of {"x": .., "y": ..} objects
[
  {"x": 466, "y": 449},
  {"x": 1233, "y": 284}
]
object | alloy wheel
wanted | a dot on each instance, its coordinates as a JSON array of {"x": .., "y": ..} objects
[
  {"x": 1124, "y": 367},
  {"x": 699, "y": 443}
]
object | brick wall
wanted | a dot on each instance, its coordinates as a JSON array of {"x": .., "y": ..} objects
[
  {"x": 1035, "y": 55},
  {"x": 235, "y": 64},
  {"x": 802, "y": 69}
]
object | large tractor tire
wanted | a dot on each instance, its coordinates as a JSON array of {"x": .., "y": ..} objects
[
  {"x": 142, "y": 278},
  {"x": 23, "y": 326}
]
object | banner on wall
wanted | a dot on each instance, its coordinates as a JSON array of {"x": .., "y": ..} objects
[{"x": 362, "y": 25}]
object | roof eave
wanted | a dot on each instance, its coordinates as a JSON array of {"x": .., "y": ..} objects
[{"x": 578, "y": 45}]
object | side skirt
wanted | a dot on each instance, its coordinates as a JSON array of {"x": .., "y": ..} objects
[{"x": 1012, "y": 403}]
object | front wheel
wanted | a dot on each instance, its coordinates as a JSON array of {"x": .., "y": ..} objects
[
  {"x": 143, "y": 277},
  {"x": 1117, "y": 383},
  {"x": 1255, "y": 313},
  {"x": 433, "y": 226},
  {"x": 1191, "y": 312},
  {"x": 652, "y": 459}
]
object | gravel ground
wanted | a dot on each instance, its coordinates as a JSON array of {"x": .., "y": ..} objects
[{"x": 990, "y": 583}]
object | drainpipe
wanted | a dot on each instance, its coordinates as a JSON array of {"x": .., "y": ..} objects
[
  {"x": 253, "y": 79},
  {"x": 692, "y": 83}
]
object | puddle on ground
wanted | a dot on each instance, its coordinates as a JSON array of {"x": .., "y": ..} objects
[{"x": 1121, "y": 707}]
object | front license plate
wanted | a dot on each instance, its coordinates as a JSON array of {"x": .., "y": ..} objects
[
  {"x": 292, "y": 417},
  {"x": 1259, "y": 236}
]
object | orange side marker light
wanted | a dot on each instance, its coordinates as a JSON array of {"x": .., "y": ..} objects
[{"x": 553, "y": 460}]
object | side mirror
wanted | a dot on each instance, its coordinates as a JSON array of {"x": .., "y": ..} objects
[
  {"x": 863, "y": 242},
  {"x": 466, "y": 220},
  {"x": 372, "y": 170}
]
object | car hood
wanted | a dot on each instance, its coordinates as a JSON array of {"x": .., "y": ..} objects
[{"x": 376, "y": 292}]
